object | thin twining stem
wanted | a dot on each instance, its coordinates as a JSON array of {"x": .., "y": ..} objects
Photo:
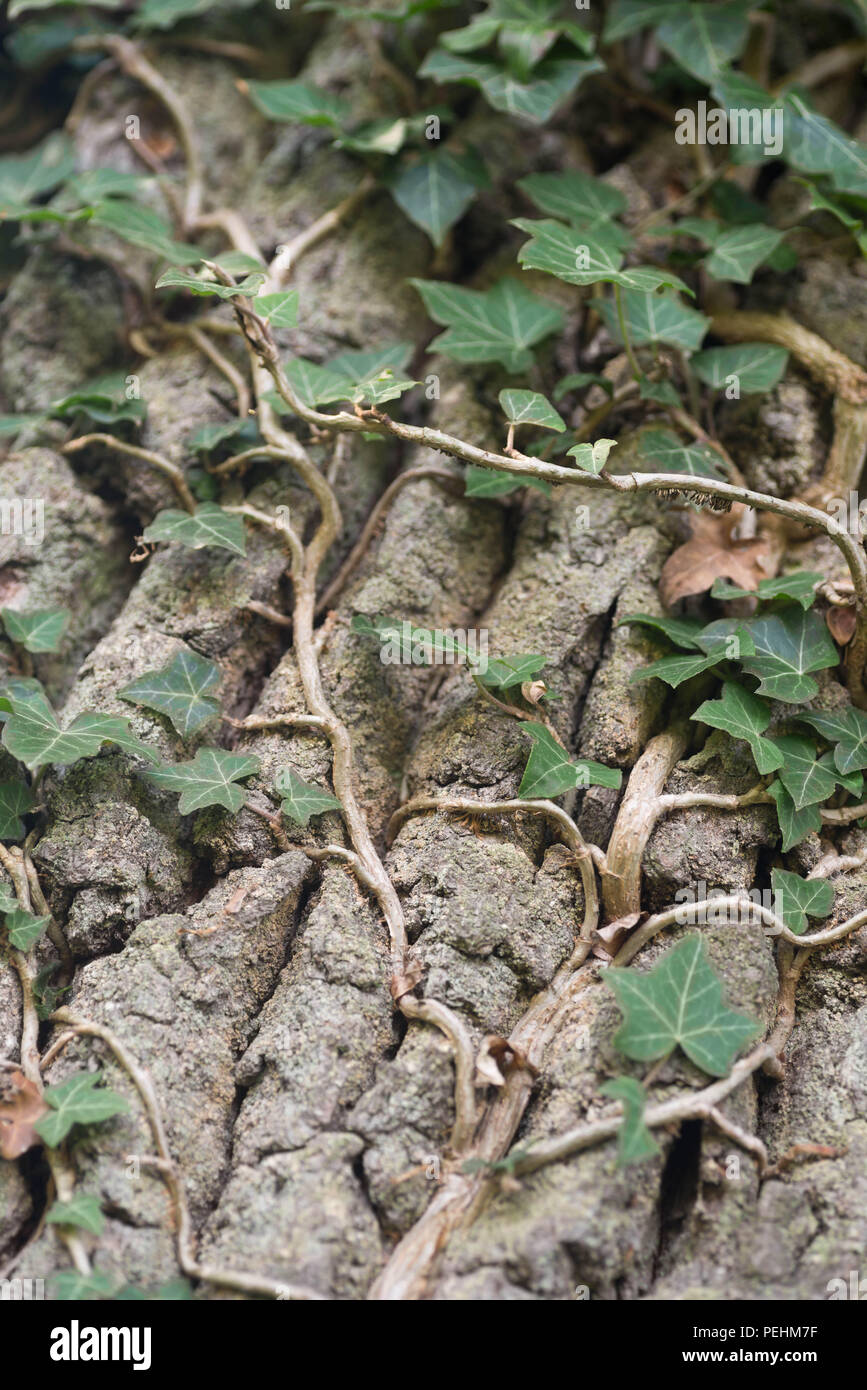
[{"x": 162, "y": 465}]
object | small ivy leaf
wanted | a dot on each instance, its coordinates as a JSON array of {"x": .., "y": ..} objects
[
  {"x": 33, "y": 735},
  {"x": 40, "y": 630},
  {"x": 301, "y": 799},
  {"x": 209, "y": 525},
  {"x": 143, "y": 227},
  {"x": 16, "y": 799},
  {"x": 24, "y": 929},
  {"x": 654, "y": 318},
  {"x": 727, "y": 638},
  {"x": 575, "y": 381},
  {"x": 497, "y": 325},
  {"x": 682, "y": 631},
  {"x": 531, "y": 408},
  {"x": 663, "y": 452},
  {"x": 182, "y": 280},
  {"x": 800, "y": 587},
  {"x": 634, "y": 1140},
  {"x": 795, "y": 825},
  {"x": 83, "y": 1211},
  {"x": 71, "y": 1287},
  {"x": 820, "y": 202},
  {"x": 674, "y": 670},
  {"x": 25, "y": 177},
  {"x": 678, "y": 1002},
  {"x": 661, "y": 391},
  {"x": 805, "y": 778},
  {"x": 549, "y": 771},
  {"x": 208, "y": 437},
  {"x": 703, "y": 39},
  {"x": 8, "y": 900},
  {"x": 208, "y": 780},
  {"x": 757, "y": 366},
  {"x": 788, "y": 645},
  {"x": 385, "y": 386},
  {"x": 575, "y": 197},
  {"x": 818, "y": 146},
  {"x": 536, "y": 100},
  {"x": 180, "y": 690},
  {"x": 436, "y": 191},
  {"x": 296, "y": 101},
  {"x": 515, "y": 670},
  {"x": 576, "y": 257},
  {"x": 592, "y": 457},
  {"x": 492, "y": 482},
  {"x": 847, "y": 729},
  {"x": 281, "y": 310},
  {"x": 738, "y": 253},
  {"x": 745, "y": 716},
  {"x": 796, "y": 898},
  {"x": 103, "y": 400},
  {"x": 164, "y": 14},
  {"x": 385, "y": 136},
  {"x": 80, "y": 1100}
]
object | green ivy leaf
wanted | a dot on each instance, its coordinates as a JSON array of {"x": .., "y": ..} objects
[
  {"x": 820, "y": 202},
  {"x": 738, "y": 253},
  {"x": 296, "y": 101},
  {"x": 654, "y": 318},
  {"x": 788, "y": 645},
  {"x": 531, "y": 408},
  {"x": 757, "y": 366},
  {"x": 80, "y": 1100},
  {"x": 492, "y": 482},
  {"x": 83, "y": 1211},
  {"x": 799, "y": 586},
  {"x": 504, "y": 672},
  {"x": 577, "y": 258},
  {"x": 536, "y": 99},
  {"x": 208, "y": 780},
  {"x": 550, "y": 773},
  {"x": 208, "y": 525},
  {"x": 674, "y": 670},
  {"x": 661, "y": 391},
  {"x": 818, "y": 146},
  {"x": 575, "y": 197},
  {"x": 104, "y": 400},
  {"x": 704, "y": 38},
  {"x": 180, "y": 690},
  {"x": 847, "y": 729},
  {"x": 681, "y": 631},
  {"x": 40, "y": 630},
  {"x": 795, "y": 825},
  {"x": 745, "y": 716},
  {"x": 24, "y": 177},
  {"x": 663, "y": 452},
  {"x": 592, "y": 457},
  {"x": 8, "y": 900},
  {"x": 497, "y": 325},
  {"x": 625, "y": 17},
  {"x": 206, "y": 284},
  {"x": 796, "y": 898},
  {"x": 71, "y": 1287},
  {"x": 634, "y": 1140},
  {"x": 678, "y": 1002},
  {"x": 164, "y": 14},
  {"x": 280, "y": 310},
  {"x": 207, "y": 438},
  {"x": 33, "y": 735},
  {"x": 16, "y": 799},
  {"x": 142, "y": 227},
  {"x": 24, "y": 929},
  {"x": 436, "y": 191},
  {"x": 805, "y": 778},
  {"x": 301, "y": 799}
]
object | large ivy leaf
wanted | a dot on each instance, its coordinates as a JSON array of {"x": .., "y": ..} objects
[
  {"x": 738, "y": 253},
  {"x": 756, "y": 366},
  {"x": 301, "y": 799},
  {"x": 497, "y": 325},
  {"x": 847, "y": 729},
  {"x": 704, "y": 38},
  {"x": 83, "y": 1211},
  {"x": 654, "y": 318},
  {"x": 296, "y": 101},
  {"x": 788, "y": 645},
  {"x": 796, "y": 898},
  {"x": 795, "y": 825},
  {"x": 142, "y": 227},
  {"x": 663, "y": 452},
  {"x": 575, "y": 197},
  {"x": 210, "y": 779},
  {"x": 678, "y": 1002},
  {"x": 40, "y": 630},
  {"x": 180, "y": 690},
  {"x": 634, "y": 1140},
  {"x": 208, "y": 525},
  {"x": 800, "y": 586},
  {"x": 78, "y": 1101},
  {"x": 805, "y": 778},
  {"x": 24, "y": 177},
  {"x": 535, "y": 99},
  {"x": 625, "y": 17},
  {"x": 818, "y": 146},
  {"x": 531, "y": 408},
  {"x": 350, "y": 376},
  {"x": 549, "y": 771},
  {"x": 436, "y": 191},
  {"x": 745, "y": 716},
  {"x": 23, "y": 928},
  {"x": 33, "y": 735},
  {"x": 16, "y": 799},
  {"x": 578, "y": 258}
]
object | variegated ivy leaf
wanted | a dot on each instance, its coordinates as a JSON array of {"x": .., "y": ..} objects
[
  {"x": 531, "y": 408},
  {"x": 796, "y": 898},
  {"x": 574, "y": 256},
  {"x": 788, "y": 645},
  {"x": 24, "y": 930},
  {"x": 180, "y": 690},
  {"x": 592, "y": 457},
  {"x": 800, "y": 586},
  {"x": 679, "y": 1002},
  {"x": 40, "y": 630},
  {"x": 634, "y": 1140},
  {"x": 795, "y": 825},
  {"x": 33, "y": 735},
  {"x": 301, "y": 799},
  {"x": 550, "y": 772},
  {"x": 16, "y": 799},
  {"x": 847, "y": 729},
  {"x": 80, "y": 1100},
  {"x": 208, "y": 525},
  {"x": 497, "y": 325},
  {"x": 745, "y": 716},
  {"x": 210, "y": 779}
]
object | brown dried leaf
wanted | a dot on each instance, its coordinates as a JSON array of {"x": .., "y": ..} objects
[
  {"x": 406, "y": 983},
  {"x": 841, "y": 624},
  {"x": 615, "y": 933},
  {"x": 533, "y": 691},
  {"x": 713, "y": 553},
  {"x": 21, "y": 1106}
]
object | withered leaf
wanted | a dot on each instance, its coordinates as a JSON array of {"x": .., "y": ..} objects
[
  {"x": 841, "y": 624},
  {"x": 713, "y": 553},
  {"x": 21, "y": 1106},
  {"x": 615, "y": 933}
]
